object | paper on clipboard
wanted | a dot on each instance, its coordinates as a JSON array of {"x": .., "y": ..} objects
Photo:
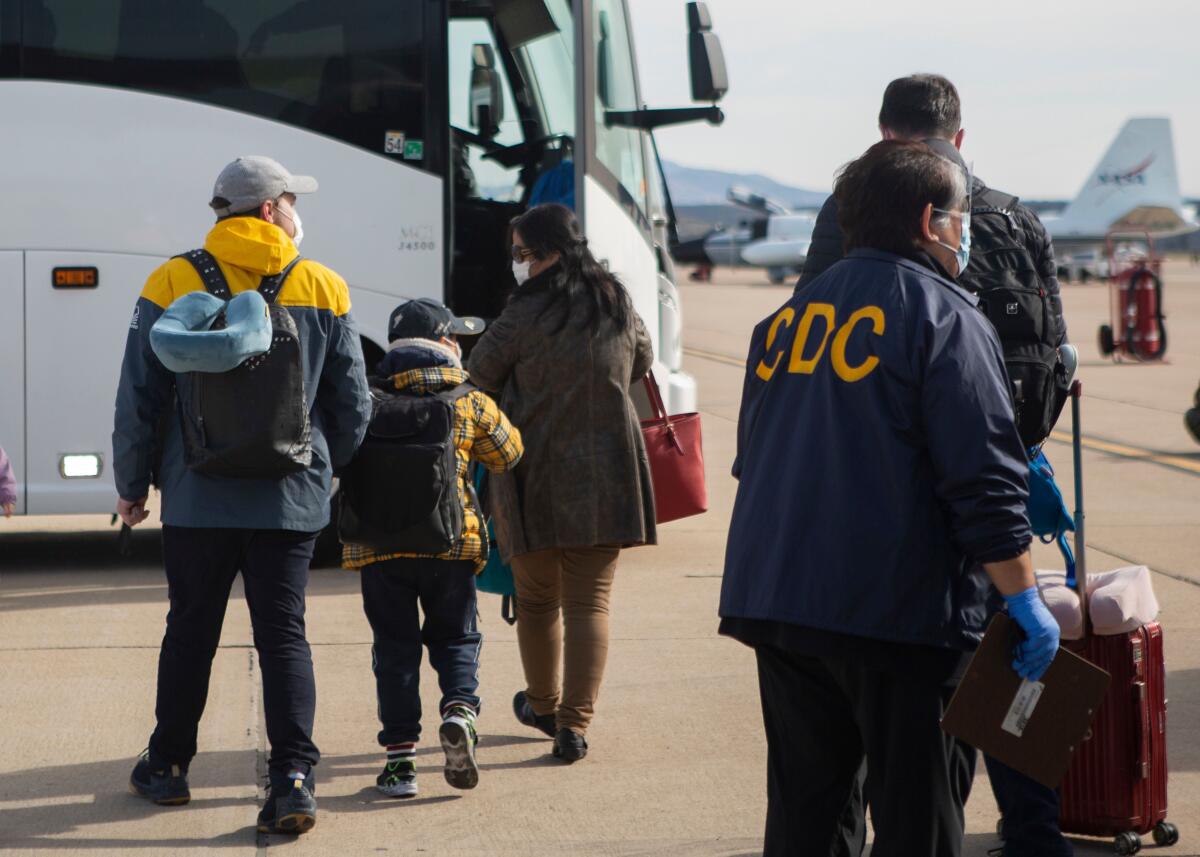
[{"x": 1033, "y": 727}]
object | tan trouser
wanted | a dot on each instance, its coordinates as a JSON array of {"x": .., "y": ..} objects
[{"x": 580, "y": 580}]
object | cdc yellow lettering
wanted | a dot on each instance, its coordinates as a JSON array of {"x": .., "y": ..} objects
[
  {"x": 786, "y": 316},
  {"x": 837, "y": 354},
  {"x": 798, "y": 364}
]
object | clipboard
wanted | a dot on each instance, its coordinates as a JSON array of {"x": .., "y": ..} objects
[{"x": 1033, "y": 727}]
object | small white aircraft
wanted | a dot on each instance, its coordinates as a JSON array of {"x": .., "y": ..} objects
[
  {"x": 777, "y": 240},
  {"x": 1134, "y": 188}
]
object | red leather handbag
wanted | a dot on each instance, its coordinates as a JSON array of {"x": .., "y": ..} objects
[{"x": 676, "y": 459}]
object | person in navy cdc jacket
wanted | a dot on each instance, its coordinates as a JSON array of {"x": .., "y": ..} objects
[{"x": 882, "y": 486}]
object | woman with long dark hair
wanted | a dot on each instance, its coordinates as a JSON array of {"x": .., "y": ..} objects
[{"x": 563, "y": 356}]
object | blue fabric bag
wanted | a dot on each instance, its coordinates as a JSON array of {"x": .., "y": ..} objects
[
  {"x": 497, "y": 576},
  {"x": 1048, "y": 515}
]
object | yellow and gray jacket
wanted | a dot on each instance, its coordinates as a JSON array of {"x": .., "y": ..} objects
[
  {"x": 482, "y": 433},
  {"x": 335, "y": 384}
]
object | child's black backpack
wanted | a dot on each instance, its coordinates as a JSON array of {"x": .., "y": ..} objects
[
  {"x": 251, "y": 422},
  {"x": 400, "y": 493}
]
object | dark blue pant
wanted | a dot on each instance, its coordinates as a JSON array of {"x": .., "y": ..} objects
[
  {"x": 201, "y": 565},
  {"x": 445, "y": 590},
  {"x": 1030, "y": 813}
]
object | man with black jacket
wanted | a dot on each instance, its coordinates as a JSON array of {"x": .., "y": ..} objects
[
  {"x": 1008, "y": 242},
  {"x": 926, "y": 108}
]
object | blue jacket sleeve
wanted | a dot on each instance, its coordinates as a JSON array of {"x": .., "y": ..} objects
[
  {"x": 981, "y": 473},
  {"x": 142, "y": 393},
  {"x": 343, "y": 394}
]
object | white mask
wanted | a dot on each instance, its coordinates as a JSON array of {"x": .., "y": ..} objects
[
  {"x": 521, "y": 271},
  {"x": 299, "y": 227}
]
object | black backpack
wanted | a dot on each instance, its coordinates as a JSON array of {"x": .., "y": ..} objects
[
  {"x": 1011, "y": 294},
  {"x": 251, "y": 422},
  {"x": 400, "y": 493}
]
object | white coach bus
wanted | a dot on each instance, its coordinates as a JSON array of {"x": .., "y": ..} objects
[{"x": 427, "y": 122}]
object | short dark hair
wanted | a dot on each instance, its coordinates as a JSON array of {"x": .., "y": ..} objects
[
  {"x": 880, "y": 197},
  {"x": 921, "y": 105}
]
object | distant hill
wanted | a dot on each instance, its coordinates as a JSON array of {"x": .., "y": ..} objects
[{"x": 693, "y": 187}]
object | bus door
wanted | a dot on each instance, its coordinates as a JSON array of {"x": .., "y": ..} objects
[
  {"x": 613, "y": 197},
  {"x": 12, "y": 366},
  {"x": 511, "y": 105},
  {"x": 77, "y": 313}
]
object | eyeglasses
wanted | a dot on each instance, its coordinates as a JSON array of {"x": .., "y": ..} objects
[{"x": 519, "y": 253}]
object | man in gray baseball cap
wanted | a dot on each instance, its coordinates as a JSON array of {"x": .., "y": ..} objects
[
  {"x": 217, "y": 526},
  {"x": 256, "y": 185}
]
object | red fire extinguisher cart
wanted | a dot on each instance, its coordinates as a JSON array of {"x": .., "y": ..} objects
[{"x": 1137, "y": 327}]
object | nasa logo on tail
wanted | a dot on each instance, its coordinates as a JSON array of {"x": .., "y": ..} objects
[{"x": 1137, "y": 175}]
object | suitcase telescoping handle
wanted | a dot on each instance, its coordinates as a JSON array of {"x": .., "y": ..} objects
[{"x": 1080, "y": 541}]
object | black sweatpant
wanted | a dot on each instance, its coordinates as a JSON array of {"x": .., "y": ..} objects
[
  {"x": 201, "y": 565},
  {"x": 445, "y": 590},
  {"x": 823, "y": 715}
]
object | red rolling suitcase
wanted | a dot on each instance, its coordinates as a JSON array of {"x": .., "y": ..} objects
[{"x": 1117, "y": 783}]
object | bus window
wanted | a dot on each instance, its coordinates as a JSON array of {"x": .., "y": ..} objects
[
  {"x": 351, "y": 69},
  {"x": 618, "y": 149},
  {"x": 475, "y": 176},
  {"x": 549, "y": 64}
]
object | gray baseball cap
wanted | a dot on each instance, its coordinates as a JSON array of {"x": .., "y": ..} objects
[{"x": 250, "y": 181}]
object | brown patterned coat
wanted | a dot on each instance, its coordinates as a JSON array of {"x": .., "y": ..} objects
[{"x": 585, "y": 477}]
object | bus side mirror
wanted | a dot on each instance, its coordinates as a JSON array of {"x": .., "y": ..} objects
[
  {"x": 487, "y": 95},
  {"x": 710, "y": 81}
]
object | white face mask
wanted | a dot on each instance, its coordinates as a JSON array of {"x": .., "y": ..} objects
[
  {"x": 299, "y": 227},
  {"x": 521, "y": 271}
]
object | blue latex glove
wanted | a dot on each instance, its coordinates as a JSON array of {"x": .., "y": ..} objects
[{"x": 1040, "y": 645}]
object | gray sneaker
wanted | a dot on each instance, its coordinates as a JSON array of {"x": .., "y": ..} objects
[{"x": 458, "y": 741}]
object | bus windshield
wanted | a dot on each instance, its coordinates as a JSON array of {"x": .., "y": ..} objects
[{"x": 351, "y": 69}]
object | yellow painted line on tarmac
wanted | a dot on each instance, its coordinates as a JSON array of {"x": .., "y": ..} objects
[
  {"x": 714, "y": 356},
  {"x": 1136, "y": 453}
]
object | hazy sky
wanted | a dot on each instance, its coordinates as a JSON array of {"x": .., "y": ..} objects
[{"x": 1045, "y": 84}]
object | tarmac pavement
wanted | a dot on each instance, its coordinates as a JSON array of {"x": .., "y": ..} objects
[{"x": 677, "y": 762}]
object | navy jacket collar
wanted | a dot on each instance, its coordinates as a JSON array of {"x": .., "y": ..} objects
[{"x": 931, "y": 271}]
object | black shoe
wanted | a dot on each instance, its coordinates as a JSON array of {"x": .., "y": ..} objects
[
  {"x": 541, "y": 722},
  {"x": 569, "y": 746},
  {"x": 165, "y": 787},
  {"x": 290, "y": 806}
]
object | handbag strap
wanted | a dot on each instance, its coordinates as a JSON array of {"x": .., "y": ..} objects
[{"x": 656, "y": 399}]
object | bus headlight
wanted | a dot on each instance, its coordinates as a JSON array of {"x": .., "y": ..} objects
[{"x": 80, "y": 465}]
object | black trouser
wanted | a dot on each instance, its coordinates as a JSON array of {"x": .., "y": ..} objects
[
  {"x": 1030, "y": 814},
  {"x": 201, "y": 565},
  {"x": 445, "y": 590},
  {"x": 823, "y": 715}
]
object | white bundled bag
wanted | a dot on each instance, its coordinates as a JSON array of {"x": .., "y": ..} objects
[{"x": 1119, "y": 601}]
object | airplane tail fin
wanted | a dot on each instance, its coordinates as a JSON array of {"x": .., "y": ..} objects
[{"x": 1135, "y": 185}]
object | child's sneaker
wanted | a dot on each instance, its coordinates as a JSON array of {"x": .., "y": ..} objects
[
  {"x": 458, "y": 740},
  {"x": 399, "y": 777}
]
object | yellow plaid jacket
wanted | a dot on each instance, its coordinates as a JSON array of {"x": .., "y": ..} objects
[{"x": 481, "y": 433}]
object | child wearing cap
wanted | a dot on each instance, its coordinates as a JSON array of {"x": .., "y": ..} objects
[{"x": 424, "y": 358}]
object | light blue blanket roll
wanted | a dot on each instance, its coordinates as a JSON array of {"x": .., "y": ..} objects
[{"x": 184, "y": 341}]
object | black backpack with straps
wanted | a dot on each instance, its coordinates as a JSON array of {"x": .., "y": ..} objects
[
  {"x": 251, "y": 422},
  {"x": 1004, "y": 276},
  {"x": 400, "y": 493}
]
